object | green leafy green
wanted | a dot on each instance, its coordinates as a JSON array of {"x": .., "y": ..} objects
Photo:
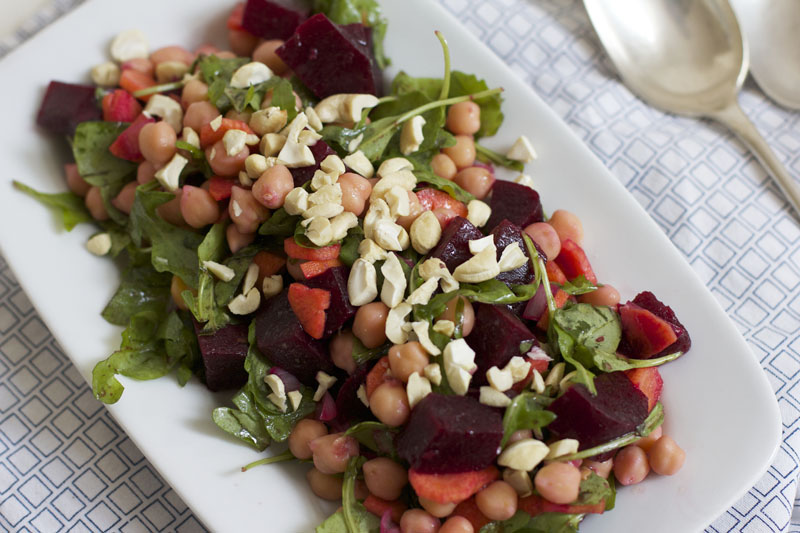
[
  {"x": 204, "y": 305},
  {"x": 367, "y": 12},
  {"x": 71, "y": 206},
  {"x": 245, "y": 426},
  {"x": 376, "y": 436},
  {"x": 526, "y": 411},
  {"x": 238, "y": 262},
  {"x": 356, "y": 517},
  {"x": 541, "y": 523},
  {"x": 362, "y": 354},
  {"x": 141, "y": 289},
  {"x": 281, "y": 224},
  {"x": 349, "y": 251},
  {"x": 487, "y": 155},
  {"x": 579, "y": 285},
  {"x": 425, "y": 175},
  {"x": 593, "y": 490}
]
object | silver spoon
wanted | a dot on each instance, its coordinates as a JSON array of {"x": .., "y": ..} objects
[
  {"x": 686, "y": 57},
  {"x": 772, "y": 28}
]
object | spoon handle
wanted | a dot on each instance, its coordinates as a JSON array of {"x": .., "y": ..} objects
[{"x": 733, "y": 117}]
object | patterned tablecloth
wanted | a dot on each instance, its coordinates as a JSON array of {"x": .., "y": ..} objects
[{"x": 66, "y": 466}]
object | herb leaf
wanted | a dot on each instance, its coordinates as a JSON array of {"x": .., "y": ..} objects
[
  {"x": 71, "y": 206},
  {"x": 487, "y": 155},
  {"x": 141, "y": 289},
  {"x": 526, "y": 411}
]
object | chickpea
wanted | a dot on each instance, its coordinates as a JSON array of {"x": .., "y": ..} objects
[
  {"x": 265, "y": 53},
  {"x": 630, "y": 465},
  {"x": 558, "y": 482},
  {"x": 242, "y": 42},
  {"x": 370, "y": 324},
  {"x": 236, "y": 239},
  {"x": 172, "y": 53},
  {"x": 385, "y": 478},
  {"x": 75, "y": 182},
  {"x": 171, "y": 211},
  {"x": 355, "y": 192},
  {"x": 331, "y": 452},
  {"x": 464, "y": 118},
  {"x": 567, "y": 225},
  {"x": 198, "y": 207},
  {"x": 272, "y": 187},
  {"x": 176, "y": 288},
  {"x": 245, "y": 211},
  {"x": 602, "y": 469},
  {"x": 467, "y": 315},
  {"x": 405, "y": 359},
  {"x": 223, "y": 164},
  {"x": 145, "y": 172},
  {"x": 457, "y": 524},
  {"x": 94, "y": 203},
  {"x": 198, "y": 114},
  {"x": 341, "y": 348},
  {"x": 157, "y": 142},
  {"x": 647, "y": 442},
  {"x": 498, "y": 501},
  {"x": 439, "y": 510},
  {"x": 666, "y": 457},
  {"x": 125, "y": 198},
  {"x": 463, "y": 152},
  {"x": 605, "y": 295},
  {"x": 139, "y": 64},
  {"x": 301, "y": 436},
  {"x": 443, "y": 166},
  {"x": 193, "y": 91},
  {"x": 546, "y": 237},
  {"x": 325, "y": 486},
  {"x": 418, "y": 521},
  {"x": 475, "y": 180},
  {"x": 415, "y": 210},
  {"x": 389, "y": 403}
]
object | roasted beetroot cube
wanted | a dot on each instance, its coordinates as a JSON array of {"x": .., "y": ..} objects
[
  {"x": 349, "y": 408},
  {"x": 332, "y": 59},
  {"x": 321, "y": 150},
  {"x": 282, "y": 339},
  {"x": 496, "y": 338},
  {"x": 269, "y": 20},
  {"x": 448, "y": 434},
  {"x": 514, "y": 202},
  {"x": 223, "y": 353},
  {"x": 340, "y": 311},
  {"x": 65, "y": 105},
  {"x": 504, "y": 234},
  {"x": 617, "y": 409},
  {"x": 453, "y": 247}
]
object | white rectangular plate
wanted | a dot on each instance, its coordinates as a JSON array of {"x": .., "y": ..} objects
[{"x": 719, "y": 406}]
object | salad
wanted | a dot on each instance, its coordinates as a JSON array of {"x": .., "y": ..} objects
[{"x": 339, "y": 250}]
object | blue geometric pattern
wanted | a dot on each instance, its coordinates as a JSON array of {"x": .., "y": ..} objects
[{"x": 66, "y": 466}]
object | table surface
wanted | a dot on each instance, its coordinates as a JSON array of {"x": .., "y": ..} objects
[{"x": 66, "y": 466}]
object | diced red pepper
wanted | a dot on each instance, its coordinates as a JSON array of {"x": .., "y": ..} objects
[
  {"x": 573, "y": 261},
  {"x": 448, "y": 488},
  {"x": 447, "y": 206},
  {"x": 120, "y": 106},
  {"x": 378, "y": 506},
  {"x": 209, "y": 135},
  {"x": 536, "y": 505},
  {"x": 315, "y": 268},
  {"x": 132, "y": 80},
  {"x": 648, "y": 380},
  {"x": 309, "y": 306},
  {"x": 296, "y": 251},
  {"x": 269, "y": 264},
  {"x": 126, "y": 146},
  {"x": 554, "y": 273},
  {"x": 646, "y": 333},
  {"x": 220, "y": 188}
]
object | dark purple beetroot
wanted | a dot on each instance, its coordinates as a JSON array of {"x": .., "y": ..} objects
[
  {"x": 283, "y": 341},
  {"x": 496, "y": 338},
  {"x": 504, "y": 234},
  {"x": 223, "y": 353},
  {"x": 514, "y": 202},
  {"x": 65, "y": 105},
  {"x": 617, "y": 409},
  {"x": 449, "y": 434},
  {"x": 648, "y": 300},
  {"x": 349, "y": 409},
  {"x": 536, "y": 306},
  {"x": 453, "y": 247},
  {"x": 340, "y": 311},
  {"x": 332, "y": 59},
  {"x": 321, "y": 150},
  {"x": 269, "y": 20}
]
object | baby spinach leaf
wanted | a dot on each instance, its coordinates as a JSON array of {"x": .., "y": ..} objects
[
  {"x": 243, "y": 426},
  {"x": 592, "y": 327},
  {"x": 494, "y": 291},
  {"x": 566, "y": 344},
  {"x": 71, "y": 206},
  {"x": 356, "y": 517},
  {"x": 349, "y": 250},
  {"x": 376, "y": 436},
  {"x": 239, "y": 263},
  {"x": 579, "y": 285},
  {"x": 515, "y": 524},
  {"x": 141, "y": 289},
  {"x": 487, "y": 155},
  {"x": 281, "y": 224},
  {"x": 526, "y": 411},
  {"x": 425, "y": 175},
  {"x": 367, "y": 12},
  {"x": 594, "y": 489},
  {"x": 204, "y": 305}
]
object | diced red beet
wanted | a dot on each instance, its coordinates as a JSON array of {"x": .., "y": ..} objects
[
  {"x": 281, "y": 338},
  {"x": 645, "y": 333},
  {"x": 504, "y": 234},
  {"x": 349, "y": 407},
  {"x": 223, "y": 353},
  {"x": 126, "y": 146},
  {"x": 648, "y": 300},
  {"x": 496, "y": 338},
  {"x": 270, "y": 20},
  {"x": 617, "y": 409},
  {"x": 537, "y": 306},
  {"x": 448, "y": 434},
  {"x": 515, "y": 202},
  {"x": 65, "y": 105},
  {"x": 332, "y": 59},
  {"x": 321, "y": 150},
  {"x": 340, "y": 311},
  {"x": 326, "y": 408},
  {"x": 453, "y": 247}
]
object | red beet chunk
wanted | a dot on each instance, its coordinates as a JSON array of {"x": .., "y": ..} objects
[
  {"x": 645, "y": 333},
  {"x": 321, "y": 150},
  {"x": 340, "y": 311},
  {"x": 349, "y": 408},
  {"x": 223, "y": 353},
  {"x": 648, "y": 300},
  {"x": 65, "y": 105},
  {"x": 453, "y": 247},
  {"x": 449, "y": 434},
  {"x": 505, "y": 233},
  {"x": 269, "y": 20},
  {"x": 332, "y": 59},
  {"x": 514, "y": 202},
  {"x": 281, "y": 338},
  {"x": 496, "y": 338},
  {"x": 617, "y": 409}
]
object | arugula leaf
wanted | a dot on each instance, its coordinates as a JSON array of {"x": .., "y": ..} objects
[
  {"x": 238, "y": 262},
  {"x": 566, "y": 346},
  {"x": 594, "y": 489},
  {"x": 362, "y": 354},
  {"x": 242, "y": 425},
  {"x": 450, "y": 187},
  {"x": 487, "y": 155},
  {"x": 367, "y": 12},
  {"x": 376, "y": 436},
  {"x": 70, "y": 205},
  {"x": 120, "y": 238},
  {"x": 515, "y": 524},
  {"x": 204, "y": 305},
  {"x": 141, "y": 289},
  {"x": 281, "y": 224},
  {"x": 494, "y": 291},
  {"x": 592, "y": 328},
  {"x": 579, "y": 285},
  {"x": 356, "y": 517},
  {"x": 526, "y": 411},
  {"x": 349, "y": 250}
]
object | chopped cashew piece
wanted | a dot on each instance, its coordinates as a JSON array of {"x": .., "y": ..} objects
[
  {"x": 216, "y": 123},
  {"x": 378, "y": 210},
  {"x": 417, "y": 388},
  {"x": 423, "y": 336},
  {"x": 359, "y": 163},
  {"x": 279, "y": 401},
  {"x": 189, "y": 136},
  {"x": 395, "y": 321},
  {"x": 244, "y": 179},
  {"x": 369, "y": 251},
  {"x": 445, "y": 327},
  {"x": 269, "y": 120},
  {"x": 555, "y": 375},
  {"x": 313, "y": 119},
  {"x": 519, "y": 480},
  {"x": 272, "y": 285},
  {"x": 411, "y": 135},
  {"x": 342, "y": 223},
  {"x": 422, "y": 294},
  {"x": 459, "y": 363},
  {"x": 522, "y": 150},
  {"x": 344, "y": 107},
  {"x": 362, "y": 284},
  {"x": 167, "y": 109},
  {"x": 434, "y": 373},
  {"x": 250, "y": 278},
  {"x": 389, "y": 235},
  {"x": 425, "y": 232},
  {"x": 234, "y": 142},
  {"x": 170, "y": 174},
  {"x": 333, "y": 165},
  {"x": 519, "y": 368},
  {"x": 397, "y": 198},
  {"x": 99, "y": 244},
  {"x": 255, "y": 165},
  {"x": 493, "y": 397},
  {"x": 524, "y": 179},
  {"x": 480, "y": 267},
  {"x": 566, "y": 382},
  {"x": 562, "y": 447},
  {"x": 244, "y": 304},
  {"x": 308, "y": 137},
  {"x": 478, "y": 245},
  {"x": 329, "y": 210},
  {"x": 436, "y": 268},
  {"x": 512, "y": 258},
  {"x": 395, "y": 164},
  {"x": 295, "y": 397},
  {"x": 327, "y": 194},
  {"x": 296, "y": 201},
  {"x": 361, "y": 394},
  {"x": 500, "y": 380},
  {"x": 275, "y": 383},
  {"x": 250, "y": 74},
  {"x": 319, "y": 231},
  {"x": 105, "y": 74},
  {"x": 524, "y": 454},
  {"x": 129, "y": 44},
  {"x": 394, "y": 281},
  {"x": 404, "y": 179},
  {"x": 271, "y": 144},
  {"x": 537, "y": 383},
  {"x": 325, "y": 382},
  {"x": 478, "y": 213},
  {"x": 295, "y": 154},
  {"x": 353, "y": 145}
]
